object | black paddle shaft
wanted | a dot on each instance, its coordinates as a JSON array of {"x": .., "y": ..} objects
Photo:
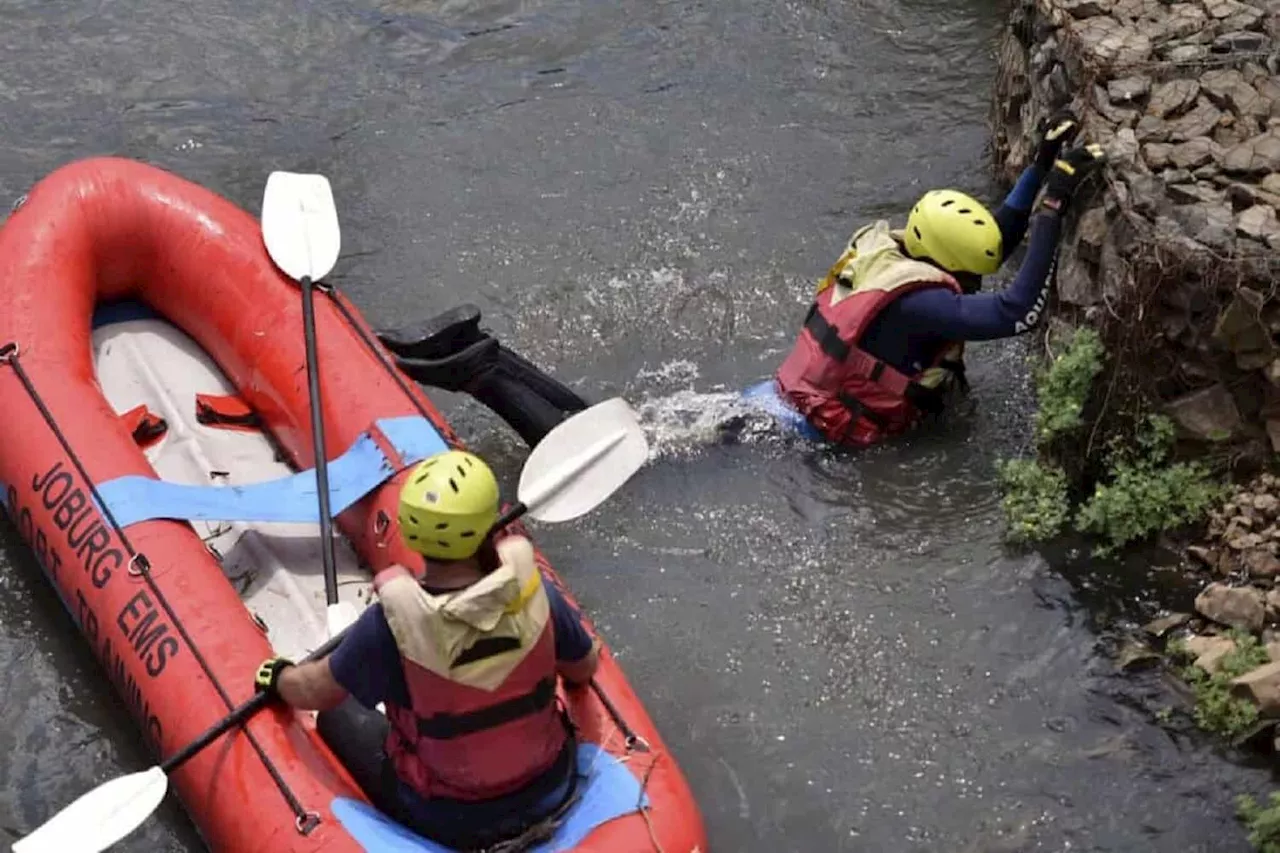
[
  {"x": 242, "y": 712},
  {"x": 317, "y": 439}
]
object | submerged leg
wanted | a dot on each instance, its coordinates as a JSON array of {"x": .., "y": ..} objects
[{"x": 357, "y": 737}]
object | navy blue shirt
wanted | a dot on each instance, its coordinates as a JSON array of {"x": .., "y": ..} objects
[
  {"x": 912, "y": 329},
  {"x": 367, "y": 663}
]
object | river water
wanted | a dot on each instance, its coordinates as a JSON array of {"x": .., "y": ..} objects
[{"x": 639, "y": 194}]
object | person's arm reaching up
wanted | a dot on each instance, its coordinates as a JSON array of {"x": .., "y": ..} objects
[
  {"x": 1015, "y": 211},
  {"x": 988, "y": 316},
  {"x": 1017, "y": 309}
]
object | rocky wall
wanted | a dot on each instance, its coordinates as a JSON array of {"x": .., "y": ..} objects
[{"x": 1173, "y": 252}]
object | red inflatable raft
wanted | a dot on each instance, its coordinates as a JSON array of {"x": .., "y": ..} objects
[{"x": 156, "y": 458}]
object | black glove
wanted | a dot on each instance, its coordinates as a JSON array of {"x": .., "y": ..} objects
[
  {"x": 1056, "y": 131},
  {"x": 269, "y": 674},
  {"x": 1069, "y": 172}
]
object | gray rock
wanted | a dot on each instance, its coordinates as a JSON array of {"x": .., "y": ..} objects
[
  {"x": 1207, "y": 557},
  {"x": 1128, "y": 89},
  {"x": 1116, "y": 115},
  {"x": 1186, "y": 193},
  {"x": 1238, "y": 607},
  {"x": 1091, "y": 233},
  {"x": 1247, "y": 195},
  {"x": 1109, "y": 41},
  {"x": 1273, "y": 434},
  {"x": 1230, "y": 135},
  {"x": 1219, "y": 9},
  {"x": 1241, "y": 331},
  {"x": 1076, "y": 282},
  {"x": 1262, "y": 687},
  {"x": 1271, "y": 183},
  {"x": 1199, "y": 122},
  {"x": 1147, "y": 195},
  {"x": 1258, "y": 222},
  {"x": 1261, "y": 563},
  {"x": 1186, "y": 54},
  {"x": 1269, "y": 88},
  {"x": 1209, "y": 414},
  {"x": 1165, "y": 624},
  {"x": 1152, "y": 129},
  {"x": 1156, "y": 154},
  {"x": 1240, "y": 41},
  {"x": 1227, "y": 88},
  {"x": 1244, "y": 17},
  {"x": 1081, "y": 9},
  {"x": 1210, "y": 224},
  {"x": 1173, "y": 98},
  {"x": 1194, "y": 153},
  {"x": 1253, "y": 73},
  {"x": 1179, "y": 21},
  {"x": 1172, "y": 177},
  {"x": 1257, "y": 156},
  {"x": 1207, "y": 172},
  {"x": 1122, "y": 151}
]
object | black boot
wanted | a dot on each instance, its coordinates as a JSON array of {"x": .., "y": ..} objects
[{"x": 452, "y": 352}]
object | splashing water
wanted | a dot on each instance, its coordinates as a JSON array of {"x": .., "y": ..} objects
[{"x": 683, "y": 422}]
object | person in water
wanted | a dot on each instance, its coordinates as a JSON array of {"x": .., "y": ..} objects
[
  {"x": 883, "y": 342},
  {"x": 475, "y": 749}
]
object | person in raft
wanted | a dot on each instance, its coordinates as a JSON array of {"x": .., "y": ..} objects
[
  {"x": 475, "y": 749},
  {"x": 883, "y": 342}
]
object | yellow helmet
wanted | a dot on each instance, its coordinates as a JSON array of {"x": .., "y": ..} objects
[
  {"x": 955, "y": 231},
  {"x": 448, "y": 505}
]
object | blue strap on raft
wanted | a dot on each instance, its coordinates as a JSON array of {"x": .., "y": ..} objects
[
  {"x": 358, "y": 471},
  {"x": 609, "y": 790}
]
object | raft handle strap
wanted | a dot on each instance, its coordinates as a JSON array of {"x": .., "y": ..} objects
[{"x": 9, "y": 356}]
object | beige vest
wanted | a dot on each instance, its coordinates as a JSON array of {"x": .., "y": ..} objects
[{"x": 434, "y": 630}]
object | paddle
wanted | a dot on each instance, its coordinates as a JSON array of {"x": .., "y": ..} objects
[
  {"x": 561, "y": 480},
  {"x": 300, "y": 228}
]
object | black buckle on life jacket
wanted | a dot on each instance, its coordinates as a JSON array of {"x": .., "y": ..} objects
[
  {"x": 956, "y": 369},
  {"x": 928, "y": 400},
  {"x": 823, "y": 332},
  {"x": 449, "y": 726},
  {"x": 855, "y": 406}
]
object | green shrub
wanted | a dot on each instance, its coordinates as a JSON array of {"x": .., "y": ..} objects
[
  {"x": 1063, "y": 386},
  {"x": 1263, "y": 822},
  {"x": 1145, "y": 495},
  {"x": 1035, "y": 500},
  {"x": 1216, "y": 709}
]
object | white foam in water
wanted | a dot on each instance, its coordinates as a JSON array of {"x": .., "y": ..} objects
[{"x": 685, "y": 421}]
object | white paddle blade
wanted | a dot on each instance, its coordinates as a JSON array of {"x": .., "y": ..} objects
[
  {"x": 300, "y": 224},
  {"x": 339, "y": 616},
  {"x": 583, "y": 461},
  {"x": 101, "y": 817}
]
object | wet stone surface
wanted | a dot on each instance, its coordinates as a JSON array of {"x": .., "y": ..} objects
[{"x": 640, "y": 197}]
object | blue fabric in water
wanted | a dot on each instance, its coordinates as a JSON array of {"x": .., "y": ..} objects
[
  {"x": 764, "y": 396},
  {"x": 358, "y": 471},
  {"x": 610, "y": 791}
]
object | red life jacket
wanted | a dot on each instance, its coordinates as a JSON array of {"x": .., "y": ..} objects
[
  {"x": 849, "y": 395},
  {"x": 480, "y": 668}
]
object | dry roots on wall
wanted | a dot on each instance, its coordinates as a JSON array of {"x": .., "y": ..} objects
[{"x": 1173, "y": 254}]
